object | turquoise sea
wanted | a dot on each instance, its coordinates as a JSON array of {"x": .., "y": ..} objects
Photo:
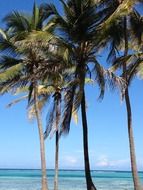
[{"x": 68, "y": 180}]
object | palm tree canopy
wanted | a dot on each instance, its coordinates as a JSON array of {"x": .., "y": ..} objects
[{"x": 79, "y": 28}]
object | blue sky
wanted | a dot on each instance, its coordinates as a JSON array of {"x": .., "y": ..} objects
[{"x": 108, "y": 138}]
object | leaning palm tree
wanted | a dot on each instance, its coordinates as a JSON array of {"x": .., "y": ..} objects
[
  {"x": 50, "y": 71},
  {"x": 78, "y": 28},
  {"x": 13, "y": 76},
  {"x": 122, "y": 35},
  {"x": 129, "y": 114},
  {"x": 44, "y": 93},
  {"x": 25, "y": 54}
]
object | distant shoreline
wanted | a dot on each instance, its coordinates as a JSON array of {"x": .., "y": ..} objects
[{"x": 123, "y": 171}]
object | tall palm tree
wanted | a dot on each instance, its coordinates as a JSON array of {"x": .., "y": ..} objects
[
  {"x": 78, "y": 28},
  {"x": 118, "y": 35},
  {"x": 67, "y": 26},
  {"x": 14, "y": 76},
  {"x": 136, "y": 25},
  {"x": 53, "y": 120},
  {"x": 24, "y": 55},
  {"x": 129, "y": 115}
]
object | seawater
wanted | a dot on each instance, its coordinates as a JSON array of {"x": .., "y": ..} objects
[{"x": 68, "y": 180}]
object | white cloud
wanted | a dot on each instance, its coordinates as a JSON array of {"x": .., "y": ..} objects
[
  {"x": 106, "y": 163},
  {"x": 71, "y": 160},
  {"x": 120, "y": 163},
  {"x": 103, "y": 162}
]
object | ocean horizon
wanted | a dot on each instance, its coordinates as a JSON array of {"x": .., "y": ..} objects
[
  {"x": 71, "y": 179},
  {"x": 72, "y": 169}
]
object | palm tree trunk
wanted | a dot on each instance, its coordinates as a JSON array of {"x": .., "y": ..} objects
[
  {"x": 56, "y": 161},
  {"x": 129, "y": 117},
  {"x": 57, "y": 101},
  {"x": 89, "y": 183},
  {"x": 131, "y": 143},
  {"x": 42, "y": 145}
]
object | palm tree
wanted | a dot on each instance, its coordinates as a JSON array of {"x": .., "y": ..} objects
[
  {"x": 44, "y": 93},
  {"x": 57, "y": 97},
  {"x": 24, "y": 56},
  {"x": 78, "y": 28},
  {"x": 129, "y": 114},
  {"x": 59, "y": 83},
  {"x": 136, "y": 24},
  {"x": 65, "y": 26},
  {"x": 119, "y": 36},
  {"x": 10, "y": 80},
  {"x": 53, "y": 127},
  {"x": 61, "y": 71}
]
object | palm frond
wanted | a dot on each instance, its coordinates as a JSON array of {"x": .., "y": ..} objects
[
  {"x": 17, "y": 101},
  {"x": 17, "y": 22},
  {"x": 50, "y": 121},
  {"x": 3, "y": 34},
  {"x": 11, "y": 72},
  {"x": 99, "y": 72},
  {"x": 136, "y": 21},
  {"x": 36, "y": 16},
  {"x": 67, "y": 112},
  {"x": 47, "y": 10}
]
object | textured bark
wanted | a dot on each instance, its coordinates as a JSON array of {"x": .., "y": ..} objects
[
  {"x": 42, "y": 145},
  {"x": 136, "y": 181},
  {"x": 131, "y": 143},
  {"x": 89, "y": 183},
  {"x": 56, "y": 162},
  {"x": 57, "y": 102}
]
